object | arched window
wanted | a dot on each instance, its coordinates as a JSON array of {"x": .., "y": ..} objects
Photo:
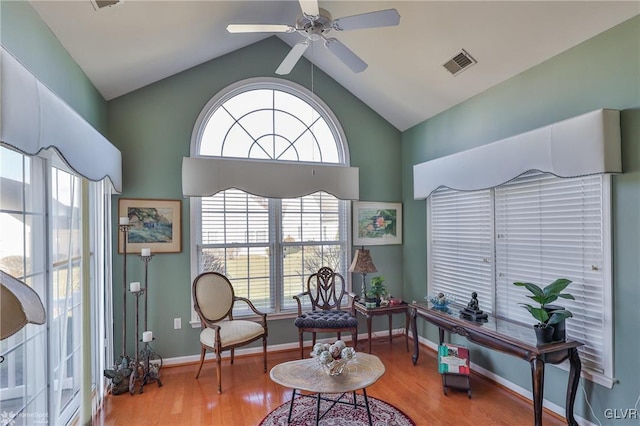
[{"x": 267, "y": 247}]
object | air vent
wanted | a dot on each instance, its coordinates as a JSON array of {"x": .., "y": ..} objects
[
  {"x": 459, "y": 62},
  {"x": 99, "y": 4}
]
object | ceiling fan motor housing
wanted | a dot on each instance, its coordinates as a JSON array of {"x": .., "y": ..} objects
[{"x": 315, "y": 26}]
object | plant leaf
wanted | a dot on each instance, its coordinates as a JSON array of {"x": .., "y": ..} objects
[
  {"x": 538, "y": 313},
  {"x": 537, "y": 291},
  {"x": 556, "y": 287},
  {"x": 559, "y": 315}
]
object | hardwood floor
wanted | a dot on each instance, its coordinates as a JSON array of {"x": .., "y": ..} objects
[{"x": 249, "y": 394}]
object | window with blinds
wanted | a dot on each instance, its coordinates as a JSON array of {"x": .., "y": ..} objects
[
  {"x": 268, "y": 247},
  {"x": 536, "y": 228}
]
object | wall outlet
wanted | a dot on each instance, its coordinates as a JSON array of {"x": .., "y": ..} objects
[{"x": 177, "y": 323}]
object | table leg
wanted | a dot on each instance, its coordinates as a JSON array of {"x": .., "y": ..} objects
[
  {"x": 572, "y": 386},
  {"x": 537, "y": 379},
  {"x": 366, "y": 403},
  {"x": 369, "y": 330},
  {"x": 441, "y": 335},
  {"x": 414, "y": 331},
  {"x": 390, "y": 325},
  {"x": 318, "y": 411},
  {"x": 406, "y": 329},
  {"x": 293, "y": 397}
]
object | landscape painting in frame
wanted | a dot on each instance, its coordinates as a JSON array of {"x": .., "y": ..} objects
[
  {"x": 377, "y": 223},
  {"x": 153, "y": 224}
]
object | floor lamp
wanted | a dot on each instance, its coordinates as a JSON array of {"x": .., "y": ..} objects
[{"x": 362, "y": 264}]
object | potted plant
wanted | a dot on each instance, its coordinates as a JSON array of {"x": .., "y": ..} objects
[
  {"x": 378, "y": 289},
  {"x": 545, "y": 313}
]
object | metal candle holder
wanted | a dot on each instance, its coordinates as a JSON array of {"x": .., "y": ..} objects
[
  {"x": 151, "y": 372},
  {"x": 137, "y": 369},
  {"x": 125, "y": 230}
]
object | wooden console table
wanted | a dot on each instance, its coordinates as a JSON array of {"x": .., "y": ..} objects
[{"x": 512, "y": 339}]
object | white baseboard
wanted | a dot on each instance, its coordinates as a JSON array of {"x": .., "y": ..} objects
[
  {"x": 271, "y": 348},
  {"x": 511, "y": 386}
]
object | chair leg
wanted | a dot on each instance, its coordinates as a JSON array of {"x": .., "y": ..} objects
[
  {"x": 232, "y": 355},
  {"x": 301, "y": 343},
  {"x": 313, "y": 342},
  {"x": 354, "y": 337},
  {"x": 339, "y": 335},
  {"x": 219, "y": 365},
  {"x": 264, "y": 352},
  {"x": 201, "y": 361}
]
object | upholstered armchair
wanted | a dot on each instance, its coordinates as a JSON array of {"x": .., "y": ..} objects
[
  {"x": 326, "y": 290},
  {"x": 213, "y": 299}
]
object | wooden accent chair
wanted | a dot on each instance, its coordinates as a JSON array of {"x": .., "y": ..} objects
[
  {"x": 213, "y": 300},
  {"x": 326, "y": 290}
]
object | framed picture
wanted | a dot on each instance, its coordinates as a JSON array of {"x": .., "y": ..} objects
[
  {"x": 153, "y": 224},
  {"x": 377, "y": 223}
]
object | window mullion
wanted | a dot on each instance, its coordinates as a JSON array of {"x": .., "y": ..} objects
[{"x": 275, "y": 246}]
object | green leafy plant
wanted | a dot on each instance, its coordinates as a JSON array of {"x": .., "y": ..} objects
[
  {"x": 544, "y": 297},
  {"x": 378, "y": 289}
]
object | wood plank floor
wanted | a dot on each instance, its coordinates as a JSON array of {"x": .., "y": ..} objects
[{"x": 249, "y": 395}]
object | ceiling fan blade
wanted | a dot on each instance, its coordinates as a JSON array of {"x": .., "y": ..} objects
[
  {"x": 259, "y": 28},
  {"x": 345, "y": 54},
  {"x": 381, "y": 18},
  {"x": 310, "y": 7},
  {"x": 292, "y": 58}
]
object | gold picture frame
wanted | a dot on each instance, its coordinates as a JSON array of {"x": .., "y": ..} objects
[{"x": 153, "y": 224}]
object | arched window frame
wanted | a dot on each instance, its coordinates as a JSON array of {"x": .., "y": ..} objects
[{"x": 343, "y": 159}]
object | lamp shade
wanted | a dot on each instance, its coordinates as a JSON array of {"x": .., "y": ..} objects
[
  {"x": 20, "y": 305},
  {"x": 362, "y": 262}
]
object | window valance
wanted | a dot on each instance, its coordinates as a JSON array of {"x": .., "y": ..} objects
[
  {"x": 205, "y": 176},
  {"x": 584, "y": 145},
  {"x": 34, "y": 118}
]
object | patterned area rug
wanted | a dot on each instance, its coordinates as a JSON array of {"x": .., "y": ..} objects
[{"x": 304, "y": 413}]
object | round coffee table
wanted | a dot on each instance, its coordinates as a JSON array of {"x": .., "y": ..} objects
[{"x": 308, "y": 375}]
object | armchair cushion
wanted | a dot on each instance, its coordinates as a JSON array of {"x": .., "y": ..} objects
[
  {"x": 326, "y": 319},
  {"x": 232, "y": 333}
]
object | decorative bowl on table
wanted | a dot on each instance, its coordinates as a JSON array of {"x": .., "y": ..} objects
[
  {"x": 333, "y": 357},
  {"x": 441, "y": 300}
]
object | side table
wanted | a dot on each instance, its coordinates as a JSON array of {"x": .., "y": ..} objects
[{"x": 402, "y": 308}]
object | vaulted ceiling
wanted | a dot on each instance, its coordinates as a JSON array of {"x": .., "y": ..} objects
[{"x": 137, "y": 42}]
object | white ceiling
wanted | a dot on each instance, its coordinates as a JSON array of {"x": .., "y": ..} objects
[{"x": 138, "y": 42}]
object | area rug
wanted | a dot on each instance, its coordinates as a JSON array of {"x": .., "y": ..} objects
[{"x": 304, "y": 413}]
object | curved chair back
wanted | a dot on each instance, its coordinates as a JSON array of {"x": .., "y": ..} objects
[
  {"x": 213, "y": 296},
  {"x": 326, "y": 289}
]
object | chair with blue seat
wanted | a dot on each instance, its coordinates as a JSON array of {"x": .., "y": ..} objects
[
  {"x": 213, "y": 300},
  {"x": 326, "y": 291}
]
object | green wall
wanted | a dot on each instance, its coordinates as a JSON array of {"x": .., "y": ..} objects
[
  {"x": 27, "y": 37},
  {"x": 152, "y": 127},
  {"x": 603, "y": 72}
]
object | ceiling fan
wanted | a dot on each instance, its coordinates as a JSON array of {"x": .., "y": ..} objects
[{"x": 315, "y": 24}]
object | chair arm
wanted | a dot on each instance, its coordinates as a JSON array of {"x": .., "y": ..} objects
[
  {"x": 352, "y": 297},
  {"x": 297, "y": 298},
  {"x": 253, "y": 308}
]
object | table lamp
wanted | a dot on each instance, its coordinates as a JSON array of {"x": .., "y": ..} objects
[{"x": 362, "y": 264}]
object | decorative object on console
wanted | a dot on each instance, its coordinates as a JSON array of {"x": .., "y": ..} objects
[
  {"x": 153, "y": 225},
  {"x": 551, "y": 318},
  {"x": 377, "y": 223},
  {"x": 441, "y": 300},
  {"x": 472, "y": 311},
  {"x": 362, "y": 264}
]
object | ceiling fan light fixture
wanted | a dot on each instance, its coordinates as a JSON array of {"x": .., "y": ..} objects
[{"x": 100, "y": 4}]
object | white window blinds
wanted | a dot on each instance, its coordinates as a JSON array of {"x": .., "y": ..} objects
[
  {"x": 461, "y": 249},
  {"x": 545, "y": 228},
  {"x": 549, "y": 228}
]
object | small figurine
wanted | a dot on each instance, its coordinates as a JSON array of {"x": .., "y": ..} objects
[
  {"x": 473, "y": 311},
  {"x": 473, "y": 303},
  {"x": 442, "y": 299}
]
